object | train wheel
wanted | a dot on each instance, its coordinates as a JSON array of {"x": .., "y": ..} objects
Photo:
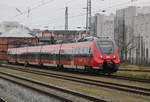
[
  {"x": 9, "y": 62},
  {"x": 41, "y": 64},
  {"x": 60, "y": 67},
  {"x": 76, "y": 69},
  {"x": 88, "y": 69},
  {"x": 16, "y": 62},
  {"x": 26, "y": 64},
  {"x": 107, "y": 74}
]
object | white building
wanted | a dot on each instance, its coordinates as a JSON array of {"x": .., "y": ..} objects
[
  {"x": 143, "y": 10},
  {"x": 103, "y": 25},
  {"x": 129, "y": 27},
  {"x": 142, "y": 32},
  {"x": 132, "y": 30}
]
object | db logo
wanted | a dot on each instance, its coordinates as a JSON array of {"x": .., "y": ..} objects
[{"x": 107, "y": 56}]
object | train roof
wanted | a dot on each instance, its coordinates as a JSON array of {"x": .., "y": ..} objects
[
  {"x": 92, "y": 38},
  {"x": 84, "y": 39}
]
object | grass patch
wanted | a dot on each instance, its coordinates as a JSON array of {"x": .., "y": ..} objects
[
  {"x": 129, "y": 66},
  {"x": 141, "y": 75}
]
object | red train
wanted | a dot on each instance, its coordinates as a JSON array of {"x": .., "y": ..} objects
[{"x": 91, "y": 53}]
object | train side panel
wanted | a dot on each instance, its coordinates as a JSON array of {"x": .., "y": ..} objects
[{"x": 81, "y": 55}]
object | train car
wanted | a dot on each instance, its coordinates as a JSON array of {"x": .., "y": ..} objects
[{"x": 90, "y": 54}]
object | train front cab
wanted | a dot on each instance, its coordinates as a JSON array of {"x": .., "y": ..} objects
[{"x": 108, "y": 56}]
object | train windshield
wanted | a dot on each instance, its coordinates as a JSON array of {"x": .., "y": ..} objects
[{"x": 106, "y": 47}]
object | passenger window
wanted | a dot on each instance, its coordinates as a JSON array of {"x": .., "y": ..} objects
[
  {"x": 73, "y": 51},
  {"x": 90, "y": 50},
  {"x": 76, "y": 50},
  {"x": 83, "y": 50},
  {"x": 79, "y": 50}
]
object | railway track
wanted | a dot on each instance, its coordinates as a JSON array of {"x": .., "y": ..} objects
[
  {"x": 130, "y": 79},
  {"x": 119, "y": 87},
  {"x": 44, "y": 88},
  {"x": 2, "y": 100},
  {"x": 111, "y": 76},
  {"x": 136, "y": 70}
]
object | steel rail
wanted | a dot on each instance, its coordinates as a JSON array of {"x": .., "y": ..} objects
[
  {"x": 127, "y": 88},
  {"x": 33, "y": 88},
  {"x": 130, "y": 79},
  {"x": 135, "y": 70},
  {"x": 75, "y": 93},
  {"x": 111, "y": 76},
  {"x": 2, "y": 100}
]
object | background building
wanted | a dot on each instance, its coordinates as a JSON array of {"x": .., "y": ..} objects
[
  {"x": 46, "y": 35},
  {"x": 103, "y": 25},
  {"x": 132, "y": 34},
  {"x": 13, "y": 35},
  {"x": 129, "y": 27},
  {"x": 124, "y": 30}
]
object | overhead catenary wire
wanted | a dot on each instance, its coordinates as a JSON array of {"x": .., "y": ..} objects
[
  {"x": 39, "y": 5},
  {"x": 93, "y": 12},
  {"x": 69, "y": 2},
  {"x": 33, "y": 8},
  {"x": 80, "y": 15},
  {"x": 83, "y": 14}
]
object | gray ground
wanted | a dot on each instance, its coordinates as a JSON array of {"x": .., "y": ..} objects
[{"x": 15, "y": 93}]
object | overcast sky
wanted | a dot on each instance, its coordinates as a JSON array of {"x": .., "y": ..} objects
[{"x": 51, "y": 12}]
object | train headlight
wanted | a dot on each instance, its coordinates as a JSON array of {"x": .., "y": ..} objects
[
  {"x": 101, "y": 56},
  {"x": 114, "y": 56}
]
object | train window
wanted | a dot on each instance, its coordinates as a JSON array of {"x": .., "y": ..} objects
[
  {"x": 86, "y": 50},
  {"x": 52, "y": 56},
  {"x": 75, "y": 50},
  {"x": 29, "y": 56},
  {"x": 90, "y": 50},
  {"x": 106, "y": 46},
  {"x": 44, "y": 56},
  {"x": 41, "y": 56},
  {"x": 26, "y": 56},
  {"x": 48, "y": 56},
  {"x": 79, "y": 50},
  {"x": 82, "y": 50}
]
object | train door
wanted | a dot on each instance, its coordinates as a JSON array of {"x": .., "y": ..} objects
[
  {"x": 72, "y": 58},
  {"x": 88, "y": 56}
]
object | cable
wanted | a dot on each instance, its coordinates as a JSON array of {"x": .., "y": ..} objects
[
  {"x": 92, "y": 12},
  {"x": 36, "y": 7},
  {"x": 68, "y": 2},
  {"x": 75, "y": 16},
  {"x": 120, "y": 4}
]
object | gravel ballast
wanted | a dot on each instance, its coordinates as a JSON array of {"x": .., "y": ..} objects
[{"x": 15, "y": 93}]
